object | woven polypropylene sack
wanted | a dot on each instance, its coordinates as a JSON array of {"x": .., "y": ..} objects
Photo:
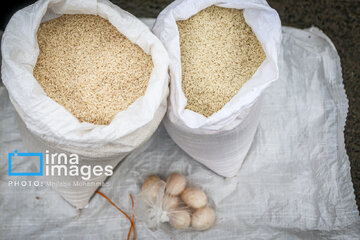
[
  {"x": 222, "y": 140},
  {"x": 48, "y": 126}
]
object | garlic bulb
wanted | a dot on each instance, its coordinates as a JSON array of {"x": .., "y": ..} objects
[
  {"x": 151, "y": 180},
  {"x": 175, "y": 184},
  {"x": 180, "y": 219},
  {"x": 151, "y": 187},
  {"x": 194, "y": 197},
  {"x": 203, "y": 218},
  {"x": 170, "y": 202}
]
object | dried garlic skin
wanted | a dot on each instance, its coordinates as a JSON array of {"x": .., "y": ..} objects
[
  {"x": 170, "y": 202},
  {"x": 194, "y": 197},
  {"x": 175, "y": 184}
]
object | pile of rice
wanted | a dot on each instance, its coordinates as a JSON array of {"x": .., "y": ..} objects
[
  {"x": 86, "y": 65},
  {"x": 219, "y": 53}
]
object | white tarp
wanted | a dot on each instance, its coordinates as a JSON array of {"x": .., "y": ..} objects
[{"x": 295, "y": 182}]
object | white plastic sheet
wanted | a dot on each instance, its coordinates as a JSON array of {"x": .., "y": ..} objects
[{"x": 295, "y": 182}]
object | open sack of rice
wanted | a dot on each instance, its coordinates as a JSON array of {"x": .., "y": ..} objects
[
  {"x": 89, "y": 83},
  {"x": 223, "y": 55}
]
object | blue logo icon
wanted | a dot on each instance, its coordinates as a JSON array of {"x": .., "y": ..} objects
[{"x": 16, "y": 153}]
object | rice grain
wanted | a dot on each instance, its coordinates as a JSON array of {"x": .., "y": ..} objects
[
  {"x": 219, "y": 53},
  {"x": 86, "y": 65}
]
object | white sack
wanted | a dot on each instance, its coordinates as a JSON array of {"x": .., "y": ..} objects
[
  {"x": 222, "y": 140},
  {"x": 46, "y": 125}
]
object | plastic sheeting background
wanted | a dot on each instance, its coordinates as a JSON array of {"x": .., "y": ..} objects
[{"x": 294, "y": 184}]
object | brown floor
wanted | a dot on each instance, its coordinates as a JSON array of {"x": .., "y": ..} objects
[{"x": 340, "y": 20}]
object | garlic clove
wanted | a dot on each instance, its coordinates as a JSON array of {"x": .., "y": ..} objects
[
  {"x": 180, "y": 219},
  {"x": 203, "y": 218},
  {"x": 151, "y": 187},
  {"x": 149, "y": 181},
  {"x": 175, "y": 184},
  {"x": 194, "y": 197}
]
